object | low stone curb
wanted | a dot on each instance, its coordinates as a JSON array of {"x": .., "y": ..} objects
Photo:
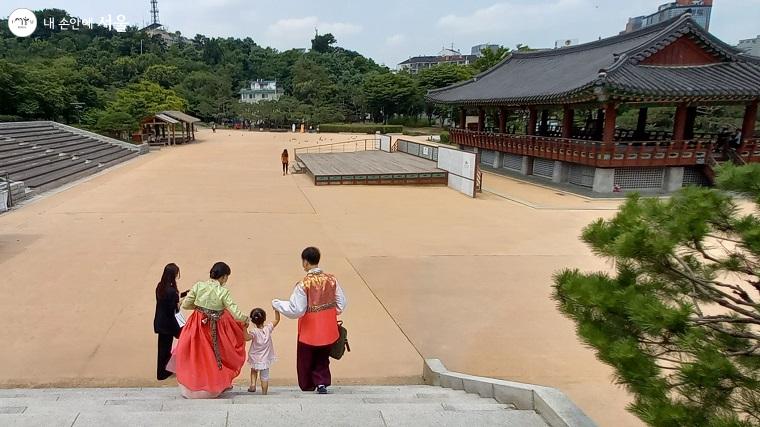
[{"x": 551, "y": 404}]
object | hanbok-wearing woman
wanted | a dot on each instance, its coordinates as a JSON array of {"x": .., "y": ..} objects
[{"x": 211, "y": 348}]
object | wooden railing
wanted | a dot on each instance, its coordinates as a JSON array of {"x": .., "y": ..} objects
[
  {"x": 749, "y": 152},
  {"x": 591, "y": 153}
]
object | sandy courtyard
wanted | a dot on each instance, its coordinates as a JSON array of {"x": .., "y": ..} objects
[{"x": 428, "y": 272}]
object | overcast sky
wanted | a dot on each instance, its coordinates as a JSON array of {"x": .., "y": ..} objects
[{"x": 391, "y": 31}]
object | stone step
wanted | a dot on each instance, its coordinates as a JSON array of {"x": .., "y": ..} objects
[{"x": 285, "y": 406}]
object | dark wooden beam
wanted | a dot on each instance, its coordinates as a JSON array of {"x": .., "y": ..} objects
[
  {"x": 544, "y": 128},
  {"x": 749, "y": 122},
  {"x": 641, "y": 124},
  {"x": 481, "y": 119},
  {"x": 679, "y": 122},
  {"x": 502, "y": 120},
  {"x": 532, "y": 120},
  {"x": 568, "y": 118},
  {"x": 691, "y": 118},
  {"x": 610, "y": 118}
]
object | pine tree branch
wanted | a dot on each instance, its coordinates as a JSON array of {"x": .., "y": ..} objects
[
  {"x": 737, "y": 334},
  {"x": 710, "y": 290},
  {"x": 752, "y": 351},
  {"x": 722, "y": 319}
]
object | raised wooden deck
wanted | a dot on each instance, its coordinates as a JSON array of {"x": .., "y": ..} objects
[{"x": 371, "y": 167}]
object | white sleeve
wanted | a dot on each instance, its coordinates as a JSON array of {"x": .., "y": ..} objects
[
  {"x": 340, "y": 299},
  {"x": 295, "y": 307}
]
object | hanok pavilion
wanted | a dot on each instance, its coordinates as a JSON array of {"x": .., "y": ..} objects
[{"x": 675, "y": 64}]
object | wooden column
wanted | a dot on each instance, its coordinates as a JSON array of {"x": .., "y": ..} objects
[
  {"x": 641, "y": 124},
  {"x": 749, "y": 123},
  {"x": 481, "y": 119},
  {"x": 192, "y": 130},
  {"x": 532, "y": 119},
  {"x": 679, "y": 123},
  {"x": 610, "y": 117},
  {"x": 599, "y": 126},
  {"x": 544, "y": 128},
  {"x": 502, "y": 120},
  {"x": 568, "y": 118},
  {"x": 691, "y": 118},
  {"x": 462, "y": 118}
]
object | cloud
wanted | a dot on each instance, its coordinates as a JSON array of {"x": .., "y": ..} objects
[
  {"x": 286, "y": 32},
  {"x": 395, "y": 39},
  {"x": 512, "y": 16}
]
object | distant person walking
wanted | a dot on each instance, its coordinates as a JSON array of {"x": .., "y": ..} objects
[
  {"x": 261, "y": 354},
  {"x": 316, "y": 302},
  {"x": 284, "y": 159},
  {"x": 164, "y": 321},
  {"x": 213, "y": 127},
  {"x": 211, "y": 348}
]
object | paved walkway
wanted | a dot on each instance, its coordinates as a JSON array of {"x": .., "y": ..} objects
[
  {"x": 427, "y": 270},
  {"x": 346, "y": 406}
]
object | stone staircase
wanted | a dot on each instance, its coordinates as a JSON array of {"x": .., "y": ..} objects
[
  {"x": 410, "y": 405},
  {"x": 39, "y": 156}
]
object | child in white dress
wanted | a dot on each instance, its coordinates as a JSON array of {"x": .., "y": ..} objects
[{"x": 261, "y": 353}]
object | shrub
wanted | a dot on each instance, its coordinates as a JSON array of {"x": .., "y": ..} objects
[
  {"x": 445, "y": 138},
  {"x": 360, "y": 128}
]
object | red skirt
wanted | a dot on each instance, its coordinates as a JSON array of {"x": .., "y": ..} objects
[{"x": 194, "y": 360}]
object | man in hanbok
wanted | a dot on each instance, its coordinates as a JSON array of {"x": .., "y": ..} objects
[{"x": 316, "y": 302}]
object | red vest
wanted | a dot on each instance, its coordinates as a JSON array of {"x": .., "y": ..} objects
[{"x": 319, "y": 326}]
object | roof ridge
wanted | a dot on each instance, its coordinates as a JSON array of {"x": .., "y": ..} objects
[{"x": 602, "y": 42}]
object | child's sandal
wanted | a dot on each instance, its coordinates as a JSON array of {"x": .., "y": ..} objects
[{"x": 251, "y": 389}]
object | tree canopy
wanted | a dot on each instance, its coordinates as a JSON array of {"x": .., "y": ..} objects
[
  {"x": 66, "y": 75},
  {"x": 679, "y": 320}
]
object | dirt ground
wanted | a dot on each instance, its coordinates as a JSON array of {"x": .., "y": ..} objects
[{"x": 428, "y": 272}]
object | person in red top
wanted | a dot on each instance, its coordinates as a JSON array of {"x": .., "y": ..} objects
[{"x": 316, "y": 302}]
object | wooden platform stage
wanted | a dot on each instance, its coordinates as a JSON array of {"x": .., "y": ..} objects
[{"x": 371, "y": 168}]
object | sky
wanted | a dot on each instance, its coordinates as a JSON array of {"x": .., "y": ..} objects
[{"x": 390, "y": 31}]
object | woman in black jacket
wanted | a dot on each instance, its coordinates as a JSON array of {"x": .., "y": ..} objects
[{"x": 164, "y": 322}]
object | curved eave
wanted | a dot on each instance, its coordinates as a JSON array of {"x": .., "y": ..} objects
[{"x": 581, "y": 94}]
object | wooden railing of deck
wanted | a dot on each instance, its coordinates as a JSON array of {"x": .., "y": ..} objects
[{"x": 591, "y": 153}]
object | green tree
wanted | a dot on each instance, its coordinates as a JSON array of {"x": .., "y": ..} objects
[
  {"x": 208, "y": 95},
  {"x": 115, "y": 122},
  {"x": 388, "y": 93},
  {"x": 140, "y": 100},
  {"x": 311, "y": 81},
  {"x": 323, "y": 43},
  {"x": 165, "y": 75},
  {"x": 489, "y": 58},
  {"x": 679, "y": 321}
]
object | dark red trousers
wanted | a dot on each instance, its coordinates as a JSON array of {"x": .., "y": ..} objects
[{"x": 313, "y": 366}]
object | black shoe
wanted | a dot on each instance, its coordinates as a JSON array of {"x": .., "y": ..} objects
[{"x": 321, "y": 389}]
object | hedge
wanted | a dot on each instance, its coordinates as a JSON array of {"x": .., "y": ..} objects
[{"x": 360, "y": 128}]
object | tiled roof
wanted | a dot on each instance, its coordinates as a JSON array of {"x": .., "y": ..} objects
[
  {"x": 580, "y": 73},
  {"x": 436, "y": 59}
]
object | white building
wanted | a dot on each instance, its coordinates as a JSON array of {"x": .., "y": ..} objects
[
  {"x": 750, "y": 46},
  {"x": 260, "y": 90}
]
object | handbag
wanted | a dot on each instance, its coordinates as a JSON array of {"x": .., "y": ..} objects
[
  {"x": 180, "y": 319},
  {"x": 341, "y": 345}
]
